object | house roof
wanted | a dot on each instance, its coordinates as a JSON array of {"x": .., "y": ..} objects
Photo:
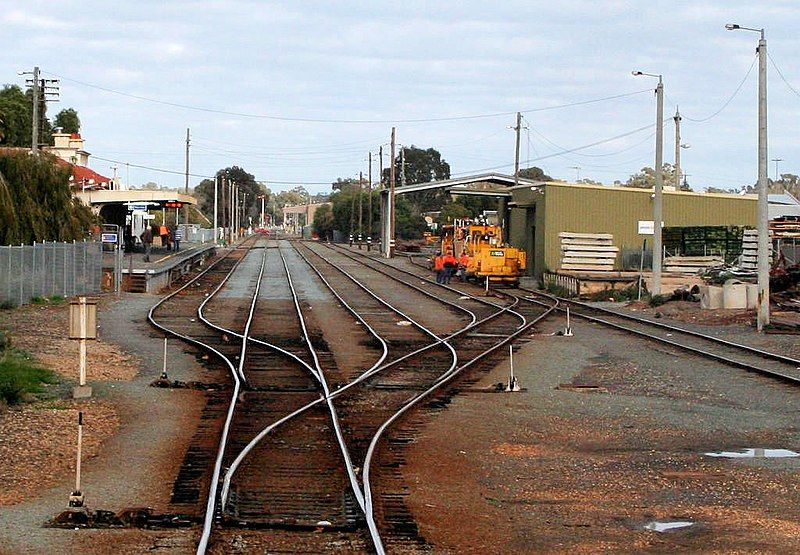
[{"x": 82, "y": 175}]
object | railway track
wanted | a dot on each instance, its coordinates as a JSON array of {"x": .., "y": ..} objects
[
  {"x": 280, "y": 392},
  {"x": 759, "y": 361}
]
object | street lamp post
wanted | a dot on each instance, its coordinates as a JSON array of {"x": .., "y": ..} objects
[
  {"x": 763, "y": 204},
  {"x": 658, "y": 197}
]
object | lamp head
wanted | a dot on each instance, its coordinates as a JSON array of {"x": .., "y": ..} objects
[
  {"x": 634, "y": 72},
  {"x": 731, "y": 26}
]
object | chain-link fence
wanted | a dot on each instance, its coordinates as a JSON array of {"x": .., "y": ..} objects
[{"x": 48, "y": 270}]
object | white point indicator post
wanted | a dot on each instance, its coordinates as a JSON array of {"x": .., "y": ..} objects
[
  {"x": 512, "y": 379},
  {"x": 568, "y": 329},
  {"x": 164, "y": 367}
]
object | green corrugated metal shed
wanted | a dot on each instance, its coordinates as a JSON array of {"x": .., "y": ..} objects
[{"x": 539, "y": 213}]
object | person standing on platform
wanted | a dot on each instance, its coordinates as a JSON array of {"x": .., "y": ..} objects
[
  {"x": 438, "y": 267},
  {"x": 178, "y": 238},
  {"x": 147, "y": 241},
  {"x": 163, "y": 231}
]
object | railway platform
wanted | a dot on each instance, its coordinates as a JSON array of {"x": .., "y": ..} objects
[{"x": 163, "y": 269}]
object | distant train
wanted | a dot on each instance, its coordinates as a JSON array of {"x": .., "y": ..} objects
[{"x": 488, "y": 255}]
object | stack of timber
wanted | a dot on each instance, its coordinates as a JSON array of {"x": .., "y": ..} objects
[
  {"x": 749, "y": 258},
  {"x": 691, "y": 265},
  {"x": 594, "y": 252},
  {"x": 785, "y": 229}
]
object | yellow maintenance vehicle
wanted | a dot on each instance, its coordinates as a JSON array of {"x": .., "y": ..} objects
[{"x": 488, "y": 255}]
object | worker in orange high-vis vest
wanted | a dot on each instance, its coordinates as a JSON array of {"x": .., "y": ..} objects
[
  {"x": 438, "y": 267},
  {"x": 450, "y": 266}
]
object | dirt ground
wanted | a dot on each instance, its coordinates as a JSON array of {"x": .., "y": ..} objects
[
  {"x": 42, "y": 330},
  {"x": 559, "y": 468}
]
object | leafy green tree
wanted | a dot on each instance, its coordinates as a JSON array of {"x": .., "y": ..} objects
[
  {"x": 15, "y": 117},
  {"x": 68, "y": 120},
  {"x": 534, "y": 173},
  {"x": 204, "y": 192},
  {"x": 646, "y": 178},
  {"x": 454, "y": 211},
  {"x": 323, "y": 221},
  {"x": 422, "y": 166},
  {"x": 36, "y": 203}
]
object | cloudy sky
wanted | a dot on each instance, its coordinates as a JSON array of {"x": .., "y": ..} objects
[{"x": 300, "y": 92}]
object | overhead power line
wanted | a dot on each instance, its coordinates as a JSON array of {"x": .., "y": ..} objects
[
  {"x": 354, "y": 121},
  {"x": 730, "y": 98},
  {"x": 564, "y": 151},
  {"x": 780, "y": 74},
  {"x": 176, "y": 172}
]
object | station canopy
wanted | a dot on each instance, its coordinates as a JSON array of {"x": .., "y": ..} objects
[
  {"x": 484, "y": 185},
  {"x": 148, "y": 199}
]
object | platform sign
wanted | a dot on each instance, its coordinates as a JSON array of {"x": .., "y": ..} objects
[
  {"x": 112, "y": 238},
  {"x": 138, "y": 207}
]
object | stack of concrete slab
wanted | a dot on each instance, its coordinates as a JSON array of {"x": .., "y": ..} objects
[
  {"x": 749, "y": 260},
  {"x": 593, "y": 252},
  {"x": 691, "y": 265}
]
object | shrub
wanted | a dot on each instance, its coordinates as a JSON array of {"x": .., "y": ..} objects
[{"x": 21, "y": 379}]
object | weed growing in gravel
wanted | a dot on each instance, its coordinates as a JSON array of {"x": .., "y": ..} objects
[
  {"x": 21, "y": 379},
  {"x": 7, "y": 305}
]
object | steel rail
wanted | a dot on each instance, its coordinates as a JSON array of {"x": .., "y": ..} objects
[
  {"x": 211, "y": 501},
  {"x": 794, "y": 380},
  {"x": 331, "y": 409},
  {"x": 349, "y": 254},
  {"x": 664, "y": 325},
  {"x": 419, "y": 397}
]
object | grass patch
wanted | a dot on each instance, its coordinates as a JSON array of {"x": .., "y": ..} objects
[
  {"x": 22, "y": 379},
  {"x": 38, "y": 300},
  {"x": 7, "y": 305},
  {"x": 54, "y": 300}
]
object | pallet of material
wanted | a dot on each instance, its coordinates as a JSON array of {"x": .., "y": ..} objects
[{"x": 690, "y": 264}]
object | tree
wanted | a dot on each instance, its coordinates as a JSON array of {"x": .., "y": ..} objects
[
  {"x": 68, "y": 120},
  {"x": 36, "y": 203},
  {"x": 249, "y": 191},
  {"x": 534, "y": 173},
  {"x": 15, "y": 117},
  {"x": 421, "y": 166},
  {"x": 646, "y": 178},
  {"x": 323, "y": 221},
  {"x": 454, "y": 211}
]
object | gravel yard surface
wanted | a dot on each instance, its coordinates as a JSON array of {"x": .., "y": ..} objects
[
  {"x": 610, "y": 435},
  {"x": 134, "y": 435}
]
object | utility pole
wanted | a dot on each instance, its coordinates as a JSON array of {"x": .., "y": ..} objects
[
  {"x": 402, "y": 166},
  {"x": 763, "y": 204},
  {"x": 776, "y": 160},
  {"x": 369, "y": 205},
  {"x": 658, "y": 206},
  {"x": 517, "y": 129},
  {"x": 35, "y": 125},
  {"x": 223, "y": 186},
  {"x": 380, "y": 167},
  {"x": 390, "y": 250},
  {"x": 677, "y": 119},
  {"x": 360, "y": 206},
  {"x": 186, "y": 185},
  {"x": 216, "y": 223},
  {"x": 352, "y": 213}
]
